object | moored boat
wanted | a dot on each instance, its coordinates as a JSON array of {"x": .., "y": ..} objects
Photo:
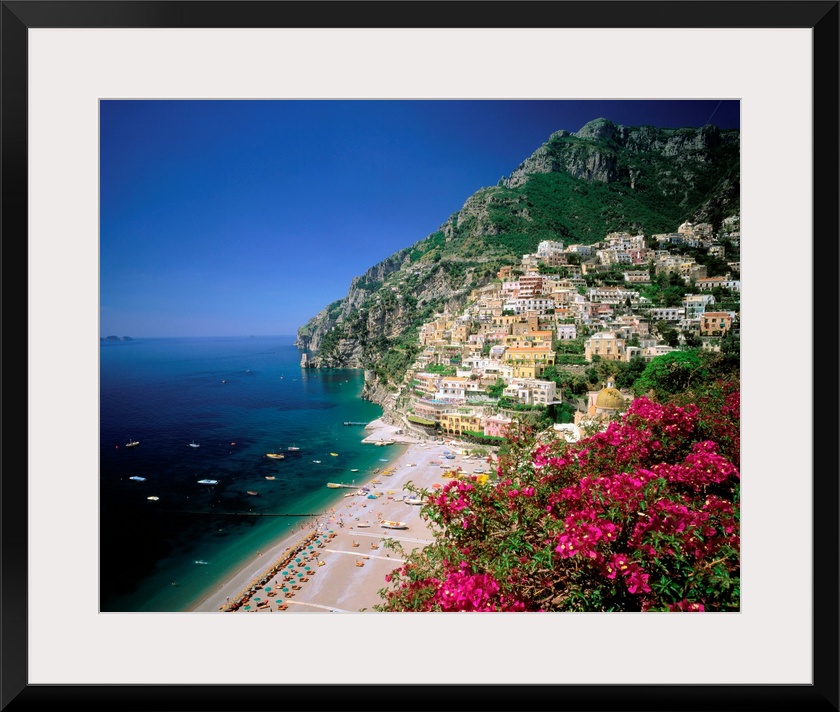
[
  {"x": 389, "y": 524},
  {"x": 208, "y": 482},
  {"x": 153, "y": 498},
  {"x": 132, "y": 443},
  {"x": 137, "y": 478},
  {"x": 194, "y": 444},
  {"x": 275, "y": 455},
  {"x": 253, "y": 493},
  {"x": 333, "y": 485}
]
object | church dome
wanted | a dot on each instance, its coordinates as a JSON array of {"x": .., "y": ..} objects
[{"x": 609, "y": 398}]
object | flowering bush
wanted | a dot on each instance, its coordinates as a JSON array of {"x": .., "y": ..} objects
[{"x": 641, "y": 516}]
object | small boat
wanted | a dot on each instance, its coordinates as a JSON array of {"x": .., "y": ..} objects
[
  {"x": 292, "y": 448},
  {"x": 413, "y": 500},
  {"x": 201, "y": 561},
  {"x": 363, "y": 524},
  {"x": 355, "y": 470},
  {"x": 334, "y": 454},
  {"x": 194, "y": 444},
  {"x": 253, "y": 493},
  {"x": 153, "y": 498},
  {"x": 333, "y": 485},
  {"x": 317, "y": 462},
  {"x": 275, "y": 455},
  {"x": 132, "y": 443},
  {"x": 208, "y": 482},
  {"x": 270, "y": 477},
  {"x": 137, "y": 479},
  {"x": 388, "y": 524}
]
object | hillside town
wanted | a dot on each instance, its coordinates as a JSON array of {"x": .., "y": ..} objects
[{"x": 566, "y": 316}]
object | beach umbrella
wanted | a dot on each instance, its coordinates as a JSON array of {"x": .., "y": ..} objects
[
  {"x": 306, "y": 568},
  {"x": 267, "y": 588},
  {"x": 247, "y": 607}
]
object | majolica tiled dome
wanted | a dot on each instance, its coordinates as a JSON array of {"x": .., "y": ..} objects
[{"x": 609, "y": 398}]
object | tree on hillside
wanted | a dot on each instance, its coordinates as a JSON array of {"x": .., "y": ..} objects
[{"x": 671, "y": 373}]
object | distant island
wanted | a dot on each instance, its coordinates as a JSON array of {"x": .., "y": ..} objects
[{"x": 115, "y": 338}]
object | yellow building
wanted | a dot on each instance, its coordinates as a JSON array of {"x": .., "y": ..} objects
[
  {"x": 457, "y": 423},
  {"x": 529, "y": 362}
]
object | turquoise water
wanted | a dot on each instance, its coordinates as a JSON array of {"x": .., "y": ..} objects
[{"x": 238, "y": 398}]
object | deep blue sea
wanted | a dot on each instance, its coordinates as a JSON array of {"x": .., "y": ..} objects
[{"x": 238, "y": 398}]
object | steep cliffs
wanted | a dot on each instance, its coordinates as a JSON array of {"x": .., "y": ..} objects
[{"x": 576, "y": 187}]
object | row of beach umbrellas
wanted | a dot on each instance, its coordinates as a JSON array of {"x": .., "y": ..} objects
[{"x": 255, "y": 584}]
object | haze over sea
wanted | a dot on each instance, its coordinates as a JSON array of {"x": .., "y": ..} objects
[{"x": 238, "y": 398}]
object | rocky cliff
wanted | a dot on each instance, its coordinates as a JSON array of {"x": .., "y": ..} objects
[{"x": 576, "y": 187}]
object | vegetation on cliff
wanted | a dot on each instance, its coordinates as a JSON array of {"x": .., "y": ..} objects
[{"x": 575, "y": 187}]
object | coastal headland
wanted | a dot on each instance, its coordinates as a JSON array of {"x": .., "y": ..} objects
[{"x": 338, "y": 562}]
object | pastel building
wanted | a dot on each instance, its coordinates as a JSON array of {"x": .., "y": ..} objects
[
  {"x": 497, "y": 426},
  {"x": 715, "y": 323},
  {"x": 606, "y": 345},
  {"x": 456, "y": 423},
  {"x": 529, "y": 362}
]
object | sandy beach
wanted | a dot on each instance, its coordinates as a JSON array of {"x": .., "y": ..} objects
[{"x": 342, "y": 557}]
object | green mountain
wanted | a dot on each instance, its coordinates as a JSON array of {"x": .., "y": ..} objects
[{"x": 576, "y": 187}]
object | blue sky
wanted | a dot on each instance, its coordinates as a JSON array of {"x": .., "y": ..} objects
[{"x": 239, "y": 218}]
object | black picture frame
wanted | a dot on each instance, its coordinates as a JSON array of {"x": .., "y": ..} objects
[{"x": 20, "y": 16}]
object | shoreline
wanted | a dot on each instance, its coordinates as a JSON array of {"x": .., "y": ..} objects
[{"x": 344, "y": 550}]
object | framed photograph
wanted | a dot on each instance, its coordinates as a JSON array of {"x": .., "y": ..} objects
[{"x": 63, "y": 61}]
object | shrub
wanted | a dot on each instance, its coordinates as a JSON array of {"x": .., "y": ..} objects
[{"x": 643, "y": 516}]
